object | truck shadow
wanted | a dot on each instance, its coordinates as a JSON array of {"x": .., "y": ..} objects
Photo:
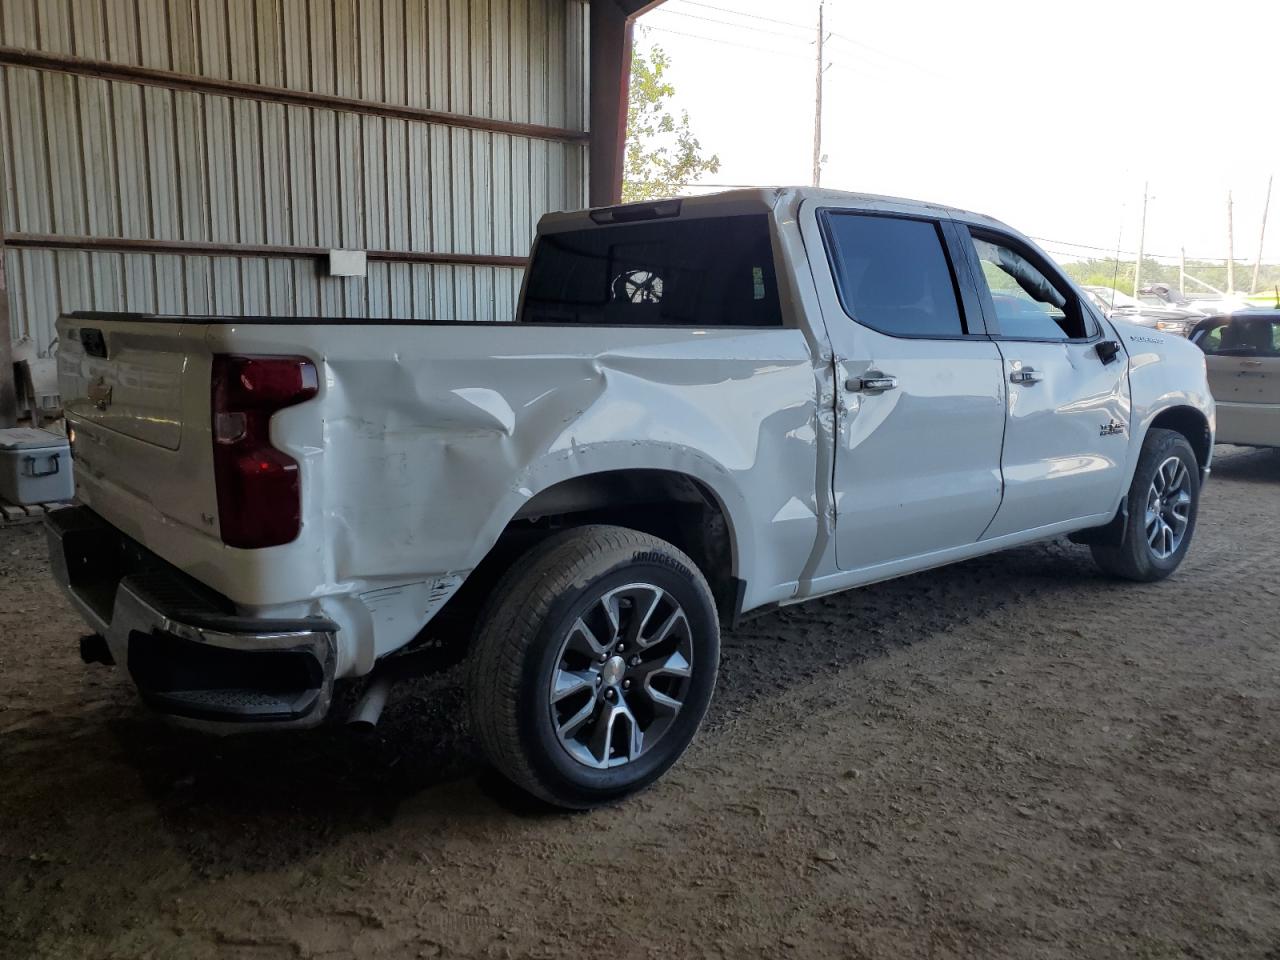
[
  {"x": 256, "y": 802},
  {"x": 1246, "y": 464}
]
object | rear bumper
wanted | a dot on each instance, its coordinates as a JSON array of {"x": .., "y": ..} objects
[{"x": 190, "y": 655}]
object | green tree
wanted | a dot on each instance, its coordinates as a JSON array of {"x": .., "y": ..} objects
[{"x": 662, "y": 153}]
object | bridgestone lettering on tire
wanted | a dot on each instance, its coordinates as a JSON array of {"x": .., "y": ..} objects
[
  {"x": 1162, "y": 502},
  {"x": 594, "y": 664}
]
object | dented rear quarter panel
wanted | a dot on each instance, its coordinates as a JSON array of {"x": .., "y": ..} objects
[{"x": 426, "y": 440}]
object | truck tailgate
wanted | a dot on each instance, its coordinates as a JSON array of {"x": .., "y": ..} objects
[{"x": 136, "y": 395}]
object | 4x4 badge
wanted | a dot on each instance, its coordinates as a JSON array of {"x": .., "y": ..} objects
[{"x": 1113, "y": 428}]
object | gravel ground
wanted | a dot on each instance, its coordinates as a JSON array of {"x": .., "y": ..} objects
[{"x": 1012, "y": 757}]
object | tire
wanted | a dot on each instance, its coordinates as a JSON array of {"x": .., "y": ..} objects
[
  {"x": 565, "y": 614},
  {"x": 1142, "y": 555}
]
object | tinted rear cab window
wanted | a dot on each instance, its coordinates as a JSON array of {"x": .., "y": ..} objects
[
  {"x": 710, "y": 272},
  {"x": 893, "y": 275}
]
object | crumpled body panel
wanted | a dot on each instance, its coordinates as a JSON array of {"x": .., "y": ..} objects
[{"x": 425, "y": 441}]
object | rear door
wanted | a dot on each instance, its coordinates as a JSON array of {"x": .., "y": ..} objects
[
  {"x": 137, "y": 401},
  {"x": 1242, "y": 356},
  {"x": 1067, "y": 417},
  {"x": 919, "y": 391}
]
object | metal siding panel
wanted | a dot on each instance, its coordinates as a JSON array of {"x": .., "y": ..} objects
[
  {"x": 417, "y": 57},
  {"x": 26, "y": 138},
  {"x": 523, "y": 219},
  {"x": 346, "y": 39},
  {"x": 241, "y": 54},
  {"x": 197, "y": 276},
  {"x": 296, "y": 42},
  {"x": 164, "y": 175},
  {"x": 62, "y": 153},
  {"x": 320, "y": 47},
  {"x": 503, "y": 214},
  {"x": 374, "y": 184},
  {"x": 350, "y": 195},
  {"x": 152, "y": 20},
  {"x": 396, "y": 186},
  {"x": 306, "y": 176},
  {"x": 183, "y": 46},
  {"x": 225, "y": 286},
  {"x": 220, "y": 163},
  {"x": 418, "y": 199},
  {"x": 211, "y": 33},
  {"x": 369, "y": 49},
  {"x": 247, "y": 182},
  {"x": 88, "y": 29},
  {"x": 306, "y": 290},
  {"x": 170, "y": 292},
  {"x": 132, "y": 186},
  {"x": 327, "y": 197},
  {"x": 400, "y": 289},
  {"x": 19, "y": 23},
  {"x": 556, "y": 71},
  {"x": 54, "y": 25},
  {"x": 254, "y": 300},
  {"x": 268, "y": 48},
  {"x": 378, "y": 290},
  {"x": 499, "y": 59},
  {"x": 459, "y": 70},
  {"x": 139, "y": 282},
  {"x": 520, "y": 78},
  {"x": 122, "y": 30},
  {"x": 394, "y": 50},
  {"x": 192, "y": 160},
  {"x": 459, "y": 158},
  {"x": 277, "y": 172},
  {"x": 438, "y": 55},
  {"x": 539, "y": 69}
]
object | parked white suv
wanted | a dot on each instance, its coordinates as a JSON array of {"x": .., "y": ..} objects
[{"x": 705, "y": 407}]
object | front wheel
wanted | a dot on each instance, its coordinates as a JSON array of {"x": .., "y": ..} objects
[
  {"x": 593, "y": 665},
  {"x": 1163, "y": 501}
]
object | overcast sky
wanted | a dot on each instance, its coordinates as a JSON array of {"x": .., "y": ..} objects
[{"x": 1047, "y": 115}]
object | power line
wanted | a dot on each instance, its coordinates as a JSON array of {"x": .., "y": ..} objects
[
  {"x": 729, "y": 23},
  {"x": 730, "y": 43},
  {"x": 749, "y": 16}
]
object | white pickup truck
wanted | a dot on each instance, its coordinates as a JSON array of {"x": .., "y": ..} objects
[{"x": 704, "y": 407}]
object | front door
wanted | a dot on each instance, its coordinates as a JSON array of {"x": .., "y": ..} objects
[
  {"x": 1067, "y": 423},
  {"x": 919, "y": 392}
]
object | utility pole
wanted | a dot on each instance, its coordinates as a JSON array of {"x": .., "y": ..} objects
[
  {"x": 817, "y": 103},
  {"x": 1142, "y": 239},
  {"x": 1182, "y": 270},
  {"x": 1231, "y": 251},
  {"x": 1262, "y": 237}
]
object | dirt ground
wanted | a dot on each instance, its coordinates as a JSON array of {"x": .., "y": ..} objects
[{"x": 1012, "y": 757}]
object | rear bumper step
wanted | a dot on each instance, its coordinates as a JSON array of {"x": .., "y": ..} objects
[{"x": 187, "y": 650}]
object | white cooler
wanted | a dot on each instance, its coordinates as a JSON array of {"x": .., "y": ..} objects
[{"x": 35, "y": 466}]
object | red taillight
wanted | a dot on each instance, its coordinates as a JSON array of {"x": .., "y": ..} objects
[{"x": 259, "y": 491}]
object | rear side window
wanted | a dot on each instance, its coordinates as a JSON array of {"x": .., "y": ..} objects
[
  {"x": 714, "y": 272},
  {"x": 1242, "y": 337},
  {"x": 892, "y": 274}
]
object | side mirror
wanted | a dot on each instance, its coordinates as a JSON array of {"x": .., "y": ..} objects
[{"x": 1108, "y": 350}]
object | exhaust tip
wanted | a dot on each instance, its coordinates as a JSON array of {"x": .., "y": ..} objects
[
  {"x": 94, "y": 649},
  {"x": 368, "y": 710}
]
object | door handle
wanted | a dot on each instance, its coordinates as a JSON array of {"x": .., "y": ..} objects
[
  {"x": 1026, "y": 375},
  {"x": 876, "y": 384}
]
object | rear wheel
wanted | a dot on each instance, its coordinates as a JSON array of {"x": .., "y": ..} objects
[
  {"x": 594, "y": 664},
  {"x": 1162, "y": 504}
]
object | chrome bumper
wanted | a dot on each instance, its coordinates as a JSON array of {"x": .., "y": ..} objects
[{"x": 190, "y": 655}]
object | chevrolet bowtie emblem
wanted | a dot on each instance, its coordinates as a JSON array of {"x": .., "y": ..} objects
[{"x": 100, "y": 393}]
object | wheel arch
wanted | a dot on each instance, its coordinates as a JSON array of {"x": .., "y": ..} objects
[{"x": 1192, "y": 424}]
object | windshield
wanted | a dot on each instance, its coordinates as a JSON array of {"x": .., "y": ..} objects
[{"x": 1114, "y": 299}]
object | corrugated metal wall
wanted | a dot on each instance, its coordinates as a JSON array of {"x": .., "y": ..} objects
[{"x": 86, "y": 156}]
